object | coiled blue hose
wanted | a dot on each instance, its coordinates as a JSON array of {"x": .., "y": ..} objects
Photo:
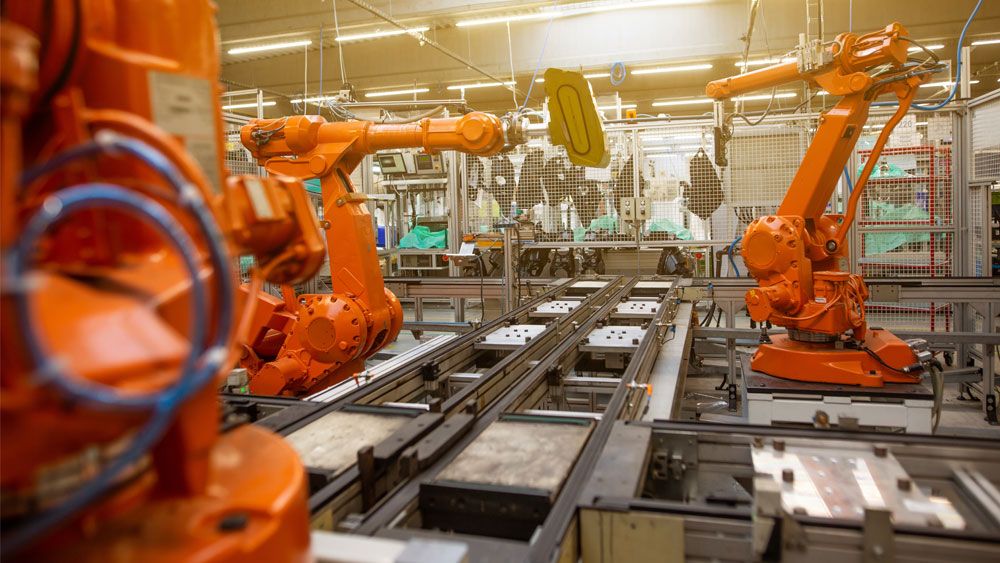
[
  {"x": 56, "y": 208},
  {"x": 203, "y": 362}
]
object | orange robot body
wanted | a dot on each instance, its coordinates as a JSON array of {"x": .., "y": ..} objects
[
  {"x": 119, "y": 303},
  {"x": 799, "y": 255},
  {"x": 309, "y": 342}
]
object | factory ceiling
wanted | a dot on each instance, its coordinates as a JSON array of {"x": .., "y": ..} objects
[{"x": 488, "y": 42}]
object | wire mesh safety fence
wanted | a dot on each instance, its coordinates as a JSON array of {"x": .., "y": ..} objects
[
  {"x": 671, "y": 165},
  {"x": 979, "y": 230},
  {"x": 984, "y": 120},
  {"x": 907, "y": 225},
  {"x": 662, "y": 189}
]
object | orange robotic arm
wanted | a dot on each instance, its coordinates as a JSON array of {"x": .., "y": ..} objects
[
  {"x": 118, "y": 301},
  {"x": 798, "y": 255},
  {"x": 295, "y": 349}
]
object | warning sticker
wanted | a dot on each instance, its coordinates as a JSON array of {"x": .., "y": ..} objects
[{"x": 183, "y": 105}]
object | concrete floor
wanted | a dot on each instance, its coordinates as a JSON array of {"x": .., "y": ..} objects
[{"x": 958, "y": 417}]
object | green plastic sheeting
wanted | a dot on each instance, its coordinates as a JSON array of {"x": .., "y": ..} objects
[
  {"x": 668, "y": 226},
  {"x": 877, "y": 243},
  {"x": 885, "y": 170},
  {"x": 423, "y": 237},
  {"x": 604, "y": 222}
]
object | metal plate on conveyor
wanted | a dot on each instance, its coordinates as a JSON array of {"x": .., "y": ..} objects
[
  {"x": 332, "y": 442},
  {"x": 509, "y": 337},
  {"x": 589, "y": 284},
  {"x": 652, "y": 288},
  {"x": 613, "y": 339},
  {"x": 637, "y": 309},
  {"x": 533, "y": 455},
  {"x": 554, "y": 308},
  {"x": 840, "y": 482},
  {"x": 585, "y": 287}
]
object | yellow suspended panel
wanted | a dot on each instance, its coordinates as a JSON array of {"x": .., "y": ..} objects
[{"x": 573, "y": 119}]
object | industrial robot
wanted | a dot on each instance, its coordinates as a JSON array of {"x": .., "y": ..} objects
[
  {"x": 120, "y": 307},
  {"x": 799, "y": 255},
  {"x": 301, "y": 344}
]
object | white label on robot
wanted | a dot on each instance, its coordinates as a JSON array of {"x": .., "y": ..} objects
[
  {"x": 258, "y": 199},
  {"x": 184, "y": 105}
]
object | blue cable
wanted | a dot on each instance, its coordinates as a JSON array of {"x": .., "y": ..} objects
[
  {"x": 204, "y": 361},
  {"x": 164, "y": 402},
  {"x": 732, "y": 261},
  {"x": 958, "y": 67},
  {"x": 847, "y": 178},
  {"x": 89, "y": 196}
]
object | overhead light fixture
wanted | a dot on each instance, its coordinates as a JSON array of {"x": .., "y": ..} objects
[
  {"x": 757, "y": 97},
  {"x": 480, "y": 85},
  {"x": 986, "y": 42},
  {"x": 610, "y": 108},
  {"x": 944, "y": 84},
  {"x": 270, "y": 47},
  {"x": 312, "y": 100},
  {"x": 765, "y": 62},
  {"x": 507, "y": 19},
  {"x": 248, "y": 105},
  {"x": 590, "y": 76},
  {"x": 387, "y": 93},
  {"x": 677, "y": 68},
  {"x": 378, "y": 34},
  {"x": 564, "y": 11},
  {"x": 933, "y": 47},
  {"x": 687, "y": 102}
]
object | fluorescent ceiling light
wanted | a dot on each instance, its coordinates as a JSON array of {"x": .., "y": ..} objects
[
  {"x": 756, "y": 97},
  {"x": 569, "y": 10},
  {"x": 944, "y": 84},
  {"x": 387, "y": 93},
  {"x": 610, "y": 108},
  {"x": 377, "y": 34},
  {"x": 311, "y": 100},
  {"x": 248, "y": 105},
  {"x": 688, "y": 102},
  {"x": 765, "y": 62},
  {"x": 986, "y": 42},
  {"x": 479, "y": 85},
  {"x": 270, "y": 47},
  {"x": 590, "y": 76},
  {"x": 933, "y": 47},
  {"x": 678, "y": 68},
  {"x": 506, "y": 19}
]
